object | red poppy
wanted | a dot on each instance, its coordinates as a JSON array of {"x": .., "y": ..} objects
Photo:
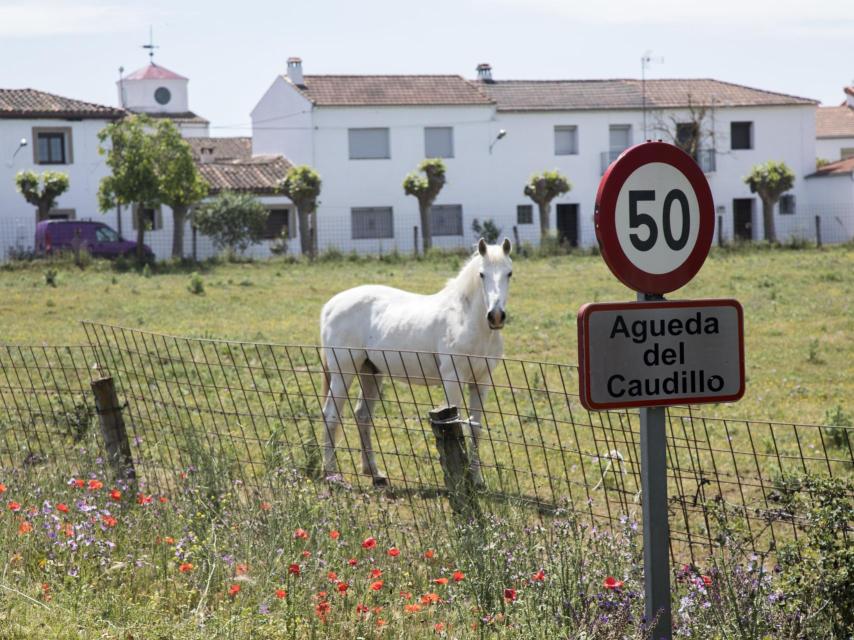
[
  {"x": 143, "y": 499},
  {"x": 62, "y": 507},
  {"x": 361, "y": 609},
  {"x": 78, "y": 482},
  {"x": 430, "y": 598},
  {"x": 412, "y": 608},
  {"x": 439, "y": 627},
  {"x": 332, "y": 575},
  {"x": 233, "y": 590},
  {"x": 429, "y": 554},
  {"x": 2, "y": 488},
  {"x": 169, "y": 540},
  {"x": 459, "y": 576},
  {"x": 301, "y": 534},
  {"x": 380, "y": 622},
  {"x": 116, "y": 495},
  {"x": 369, "y": 543},
  {"x": 612, "y": 583},
  {"x": 110, "y": 521},
  {"x": 241, "y": 569},
  {"x": 441, "y": 581},
  {"x": 707, "y": 581},
  {"x": 510, "y": 595},
  {"x": 406, "y": 595},
  {"x": 94, "y": 485},
  {"x": 14, "y": 506},
  {"x": 334, "y": 534},
  {"x": 185, "y": 567},
  {"x": 281, "y": 594},
  {"x": 393, "y": 552},
  {"x": 67, "y": 529},
  {"x": 342, "y": 587},
  {"x": 306, "y": 554},
  {"x": 25, "y": 527},
  {"x": 322, "y": 610},
  {"x": 163, "y": 499},
  {"x": 376, "y": 586},
  {"x": 352, "y": 562},
  {"x": 266, "y": 506},
  {"x": 376, "y": 573},
  {"x": 294, "y": 569},
  {"x": 539, "y": 576}
]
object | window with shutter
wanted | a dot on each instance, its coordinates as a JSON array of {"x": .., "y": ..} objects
[
  {"x": 369, "y": 144},
  {"x": 371, "y": 223},
  {"x": 446, "y": 220},
  {"x": 566, "y": 140},
  {"x": 525, "y": 214}
]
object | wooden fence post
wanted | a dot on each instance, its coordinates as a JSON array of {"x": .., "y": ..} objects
[
  {"x": 516, "y": 237},
  {"x": 454, "y": 459},
  {"x": 113, "y": 428},
  {"x": 415, "y": 239},
  {"x": 818, "y": 231},
  {"x": 720, "y": 231}
]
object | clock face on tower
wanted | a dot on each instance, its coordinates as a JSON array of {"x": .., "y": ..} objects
[{"x": 162, "y": 95}]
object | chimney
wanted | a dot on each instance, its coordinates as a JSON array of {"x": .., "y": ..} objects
[
  {"x": 206, "y": 154},
  {"x": 295, "y": 71},
  {"x": 484, "y": 72}
]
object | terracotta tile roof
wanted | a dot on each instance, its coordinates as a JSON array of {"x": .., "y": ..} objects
[
  {"x": 154, "y": 72},
  {"x": 834, "y": 122},
  {"x": 838, "y": 168},
  {"x": 355, "y": 91},
  {"x": 182, "y": 117},
  {"x": 221, "y": 148},
  {"x": 559, "y": 95},
  {"x": 29, "y": 103},
  {"x": 259, "y": 175}
]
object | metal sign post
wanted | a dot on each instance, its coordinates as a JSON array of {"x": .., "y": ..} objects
[
  {"x": 654, "y": 223},
  {"x": 656, "y": 531}
]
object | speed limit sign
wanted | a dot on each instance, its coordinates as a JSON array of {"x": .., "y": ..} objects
[{"x": 654, "y": 217}]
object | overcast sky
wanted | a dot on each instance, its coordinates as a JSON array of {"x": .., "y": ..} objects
[{"x": 231, "y": 51}]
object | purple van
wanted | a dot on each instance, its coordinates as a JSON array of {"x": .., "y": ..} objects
[{"x": 97, "y": 238}]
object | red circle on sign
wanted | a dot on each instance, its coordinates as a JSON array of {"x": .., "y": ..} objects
[{"x": 612, "y": 182}]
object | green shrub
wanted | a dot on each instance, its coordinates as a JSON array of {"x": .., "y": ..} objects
[
  {"x": 488, "y": 230},
  {"x": 50, "y": 277},
  {"x": 196, "y": 285}
]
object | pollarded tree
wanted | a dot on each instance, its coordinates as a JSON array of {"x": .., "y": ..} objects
[
  {"x": 425, "y": 188},
  {"x": 232, "y": 220},
  {"x": 542, "y": 188},
  {"x": 302, "y": 185},
  {"x": 179, "y": 182},
  {"x": 769, "y": 181},
  {"x": 132, "y": 158},
  {"x": 42, "y": 190}
]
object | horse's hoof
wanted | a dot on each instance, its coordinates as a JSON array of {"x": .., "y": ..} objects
[{"x": 381, "y": 482}]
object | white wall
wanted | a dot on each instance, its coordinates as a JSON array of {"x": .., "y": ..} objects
[
  {"x": 282, "y": 119},
  {"x": 17, "y": 217},
  {"x": 831, "y": 148},
  {"x": 832, "y": 199},
  {"x": 139, "y": 95}
]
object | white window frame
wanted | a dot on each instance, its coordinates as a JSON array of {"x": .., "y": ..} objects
[{"x": 353, "y": 140}]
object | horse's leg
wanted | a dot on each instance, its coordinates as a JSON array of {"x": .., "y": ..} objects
[
  {"x": 335, "y": 399},
  {"x": 370, "y": 383},
  {"x": 476, "y": 409}
]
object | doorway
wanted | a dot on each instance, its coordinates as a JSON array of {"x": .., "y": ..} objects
[
  {"x": 742, "y": 213},
  {"x": 567, "y": 224}
]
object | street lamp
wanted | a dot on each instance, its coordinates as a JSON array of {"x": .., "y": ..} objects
[
  {"x": 21, "y": 145},
  {"x": 501, "y": 134}
]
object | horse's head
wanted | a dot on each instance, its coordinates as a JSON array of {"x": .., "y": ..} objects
[{"x": 495, "y": 270}]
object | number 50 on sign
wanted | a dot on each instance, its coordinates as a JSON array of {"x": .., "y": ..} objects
[{"x": 654, "y": 218}]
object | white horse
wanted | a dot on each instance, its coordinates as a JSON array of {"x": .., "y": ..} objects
[{"x": 372, "y": 331}]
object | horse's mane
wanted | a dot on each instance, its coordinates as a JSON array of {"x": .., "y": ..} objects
[{"x": 465, "y": 283}]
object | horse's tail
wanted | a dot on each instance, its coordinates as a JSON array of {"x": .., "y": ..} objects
[{"x": 325, "y": 374}]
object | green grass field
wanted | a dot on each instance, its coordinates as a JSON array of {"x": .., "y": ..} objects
[{"x": 799, "y": 310}]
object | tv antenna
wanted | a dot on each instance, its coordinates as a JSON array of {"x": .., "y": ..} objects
[
  {"x": 646, "y": 59},
  {"x": 151, "y": 46}
]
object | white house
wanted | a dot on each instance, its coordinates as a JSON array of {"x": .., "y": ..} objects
[
  {"x": 835, "y": 130},
  {"x": 41, "y": 131},
  {"x": 364, "y": 133}
]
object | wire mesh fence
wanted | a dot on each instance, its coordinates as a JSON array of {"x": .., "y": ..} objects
[{"x": 251, "y": 415}]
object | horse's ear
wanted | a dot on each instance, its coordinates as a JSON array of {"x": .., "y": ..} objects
[
  {"x": 481, "y": 247},
  {"x": 506, "y": 246}
]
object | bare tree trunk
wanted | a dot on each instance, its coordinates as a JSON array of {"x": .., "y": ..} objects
[
  {"x": 768, "y": 220},
  {"x": 140, "y": 232},
  {"x": 544, "y": 208},
  {"x": 304, "y": 232},
  {"x": 179, "y": 218},
  {"x": 426, "y": 231}
]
